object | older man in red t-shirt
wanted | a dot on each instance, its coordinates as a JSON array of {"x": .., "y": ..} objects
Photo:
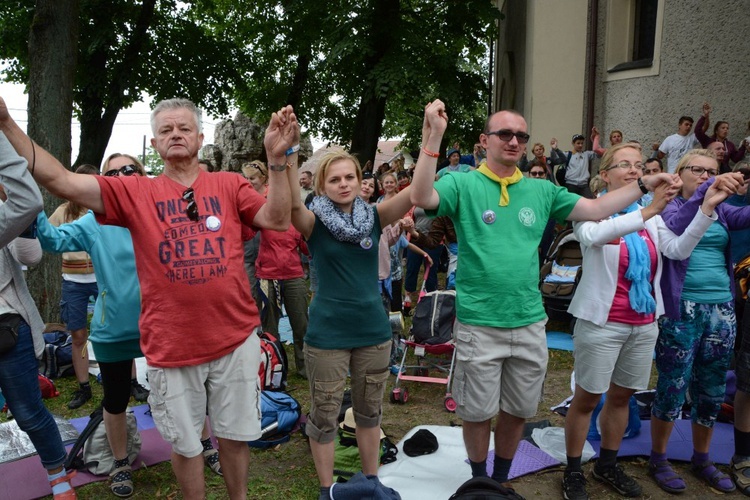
[{"x": 197, "y": 320}]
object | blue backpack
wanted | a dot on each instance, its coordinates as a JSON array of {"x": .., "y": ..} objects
[
  {"x": 57, "y": 359},
  {"x": 634, "y": 421},
  {"x": 280, "y": 413}
]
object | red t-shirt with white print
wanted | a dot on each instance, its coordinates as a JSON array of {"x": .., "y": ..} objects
[{"x": 196, "y": 304}]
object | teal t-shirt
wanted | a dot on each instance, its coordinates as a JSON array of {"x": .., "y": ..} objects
[
  {"x": 347, "y": 311},
  {"x": 460, "y": 168},
  {"x": 497, "y": 278},
  {"x": 707, "y": 281}
]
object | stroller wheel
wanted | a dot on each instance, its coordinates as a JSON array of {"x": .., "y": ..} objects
[
  {"x": 450, "y": 404},
  {"x": 399, "y": 395}
]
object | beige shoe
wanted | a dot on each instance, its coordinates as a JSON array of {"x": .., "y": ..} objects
[{"x": 211, "y": 457}]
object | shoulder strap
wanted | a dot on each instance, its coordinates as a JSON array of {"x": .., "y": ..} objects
[{"x": 74, "y": 460}]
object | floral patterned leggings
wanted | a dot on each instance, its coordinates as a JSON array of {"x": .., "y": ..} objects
[{"x": 694, "y": 353}]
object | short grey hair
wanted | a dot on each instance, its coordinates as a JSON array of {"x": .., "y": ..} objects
[{"x": 176, "y": 103}]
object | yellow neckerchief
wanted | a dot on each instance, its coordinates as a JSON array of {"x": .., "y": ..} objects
[{"x": 503, "y": 181}]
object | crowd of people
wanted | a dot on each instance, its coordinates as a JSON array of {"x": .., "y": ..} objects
[{"x": 213, "y": 257}]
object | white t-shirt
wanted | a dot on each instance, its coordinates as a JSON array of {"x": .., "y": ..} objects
[{"x": 675, "y": 146}]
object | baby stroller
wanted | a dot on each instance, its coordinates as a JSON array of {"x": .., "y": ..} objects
[
  {"x": 431, "y": 339},
  {"x": 560, "y": 274}
]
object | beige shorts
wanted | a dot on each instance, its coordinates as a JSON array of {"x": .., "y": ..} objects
[
  {"x": 499, "y": 368},
  {"x": 617, "y": 353},
  {"x": 227, "y": 387},
  {"x": 327, "y": 370}
]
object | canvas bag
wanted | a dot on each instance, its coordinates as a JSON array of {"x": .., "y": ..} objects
[{"x": 97, "y": 456}]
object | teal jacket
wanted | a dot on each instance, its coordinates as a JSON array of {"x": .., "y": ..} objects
[{"x": 118, "y": 306}]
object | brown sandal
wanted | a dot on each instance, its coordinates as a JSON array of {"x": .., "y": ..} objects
[{"x": 68, "y": 495}]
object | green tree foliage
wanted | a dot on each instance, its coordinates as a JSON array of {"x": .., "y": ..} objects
[
  {"x": 127, "y": 49},
  {"x": 355, "y": 69},
  {"x": 153, "y": 163}
]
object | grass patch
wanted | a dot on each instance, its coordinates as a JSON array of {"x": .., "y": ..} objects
[{"x": 287, "y": 471}]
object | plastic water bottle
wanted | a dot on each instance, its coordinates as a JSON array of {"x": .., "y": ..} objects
[{"x": 407, "y": 305}]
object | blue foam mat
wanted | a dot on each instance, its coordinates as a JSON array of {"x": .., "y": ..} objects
[
  {"x": 560, "y": 341},
  {"x": 680, "y": 444},
  {"x": 285, "y": 330}
]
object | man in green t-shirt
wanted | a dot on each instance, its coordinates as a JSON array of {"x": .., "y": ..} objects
[{"x": 500, "y": 217}]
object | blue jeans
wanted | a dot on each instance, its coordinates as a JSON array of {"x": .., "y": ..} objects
[
  {"x": 414, "y": 263},
  {"x": 20, "y": 385}
]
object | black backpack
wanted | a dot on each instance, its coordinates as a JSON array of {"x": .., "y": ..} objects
[
  {"x": 433, "y": 319},
  {"x": 484, "y": 488}
]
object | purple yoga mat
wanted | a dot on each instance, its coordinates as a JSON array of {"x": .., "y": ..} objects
[
  {"x": 680, "y": 445},
  {"x": 26, "y": 479},
  {"x": 527, "y": 460},
  {"x": 142, "y": 417}
]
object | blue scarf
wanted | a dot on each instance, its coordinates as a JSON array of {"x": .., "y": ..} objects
[{"x": 639, "y": 270}]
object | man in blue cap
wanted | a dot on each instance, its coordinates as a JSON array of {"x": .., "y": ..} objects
[{"x": 454, "y": 165}]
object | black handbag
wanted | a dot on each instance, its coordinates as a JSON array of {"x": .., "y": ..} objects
[{"x": 9, "y": 331}]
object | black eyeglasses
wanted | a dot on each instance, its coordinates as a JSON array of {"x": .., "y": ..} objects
[
  {"x": 126, "y": 170},
  {"x": 192, "y": 208},
  {"x": 698, "y": 171},
  {"x": 507, "y": 135},
  {"x": 536, "y": 174}
]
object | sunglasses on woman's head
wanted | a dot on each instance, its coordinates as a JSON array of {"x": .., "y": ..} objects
[
  {"x": 126, "y": 170},
  {"x": 536, "y": 174}
]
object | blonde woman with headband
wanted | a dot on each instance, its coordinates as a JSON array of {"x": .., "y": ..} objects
[{"x": 257, "y": 174}]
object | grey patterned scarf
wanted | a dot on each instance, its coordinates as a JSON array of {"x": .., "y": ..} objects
[{"x": 351, "y": 228}]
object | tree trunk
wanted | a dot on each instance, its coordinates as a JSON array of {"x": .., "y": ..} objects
[
  {"x": 301, "y": 73},
  {"x": 371, "y": 112},
  {"x": 53, "y": 47},
  {"x": 367, "y": 128},
  {"x": 96, "y": 130},
  {"x": 102, "y": 100}
]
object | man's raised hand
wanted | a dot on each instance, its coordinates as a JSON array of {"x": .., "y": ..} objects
[{"x": 281, "y": 134}]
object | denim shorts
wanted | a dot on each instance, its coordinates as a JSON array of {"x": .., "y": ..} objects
[{"x": 75, "y": 302}]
